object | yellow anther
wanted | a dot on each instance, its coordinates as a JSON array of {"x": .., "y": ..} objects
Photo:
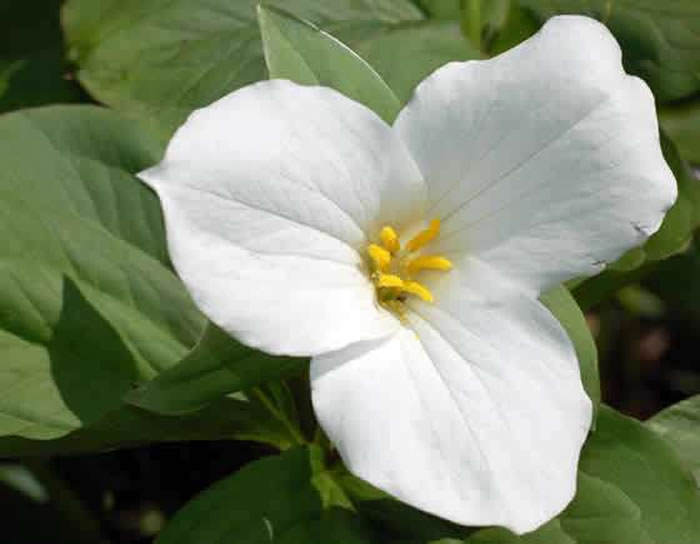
[
  {"x": 430, "y": 262},
  {"x": 417, "y": 289},
  {"x": 390, "y": 240},
  {"x": 392, "y": 268},
  {"x": 425, "y": 236},
  {"x": 380, "y": 256},
  {"x": 389, "y": 280}
]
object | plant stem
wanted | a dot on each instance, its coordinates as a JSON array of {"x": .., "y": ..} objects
[
  {"x": 471, "y": 21},
  {"x": 278, "y": 414}
]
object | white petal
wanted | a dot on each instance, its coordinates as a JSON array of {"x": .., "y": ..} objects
[
  {"x": 268, "y": 195},
  {"x": 475, "y": 413},
  {"x": 544, "y": 161}
]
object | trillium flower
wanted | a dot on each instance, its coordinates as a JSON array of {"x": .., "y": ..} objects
[{"x": 407, "y": 260}]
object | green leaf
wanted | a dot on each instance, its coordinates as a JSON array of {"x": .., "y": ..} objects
[
  {"x": 504, "y": 33},
  {"x": 602, "y": 514},
  {"x": 441, "y": 9},
  {"x": 682, "y": 124},
  {"x": 564, "y": 308},
  {"x": 551, "y": 533},
  {"x": 629, "y": 456},
  {"x": 400, "y": 521},
  {"x": 90, "y": 365},
  {"x": 160, "y": 59},
  {"x": 660, "y": 39},
  {"x": 396, "y": 521},
  {"x": 299, "y": 51},
  {"x": 32, "y": 70},
  {"x": 88, "y": 304},
  {"x": 216, "y": 366},
  {"x": 226, "y": 419},
  {"x": 404, "y": 55},
  {"x": 84, "y": 284},
  {"x": 271, "y": 500},
  {"x": 337, "y": 526},
  {"x": 680, "y": 426}
]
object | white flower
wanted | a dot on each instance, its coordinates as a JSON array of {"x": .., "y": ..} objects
[{"x": 407, "y": 261}]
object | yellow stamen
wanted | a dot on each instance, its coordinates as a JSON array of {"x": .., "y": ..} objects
[
  {"x": 430, "y": 262},
  {"x": 389, "y": 280},
  {"x": 392, "y": 268},
  {"x": 380, "y": 256},
  {"x": 417, "y": 289},
  {"x": 390, "y": 240},
  {"x": 424, "y": 237}
]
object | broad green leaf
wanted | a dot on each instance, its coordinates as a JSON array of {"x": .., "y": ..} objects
[
  {"x": 624, "y": 453},
  {"x": 90, "y": 365},
  {"x": 270, "y": 500},
  {"x": 602, "y": 514},
  {"x": 226, "y": 419},
  {"x": 599, "y": 514},
  {"x": 216, "y": 366},
  {"x": 402, "y": 523},
  {"x": 32, "y": 70},
  {"x": 682, "y": 124},
  {"x": 551, "y": 533},
  {"x": 396, "y": 521},
  {"x": 440, "y": 9},
  {"x": 336, "y": 526},
  {"x": 160, "y": 59},
  {"x": 299, "y": 51},
  {"x": 680, "y": 426},
  {"x": 404, "y": 55},
  {"x": 504, "y": 33},
  {"x": 660, "y": 39},
  {"x": 563, "y": 306},
  {"x": 32, "y": 405},
  {"x": 87, "y": 303}
]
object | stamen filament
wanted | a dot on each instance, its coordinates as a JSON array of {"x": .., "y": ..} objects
[{"x": 425, "y": 236}]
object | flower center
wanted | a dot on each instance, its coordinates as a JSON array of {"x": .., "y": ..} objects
[{"x": 394, "y": 268}]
